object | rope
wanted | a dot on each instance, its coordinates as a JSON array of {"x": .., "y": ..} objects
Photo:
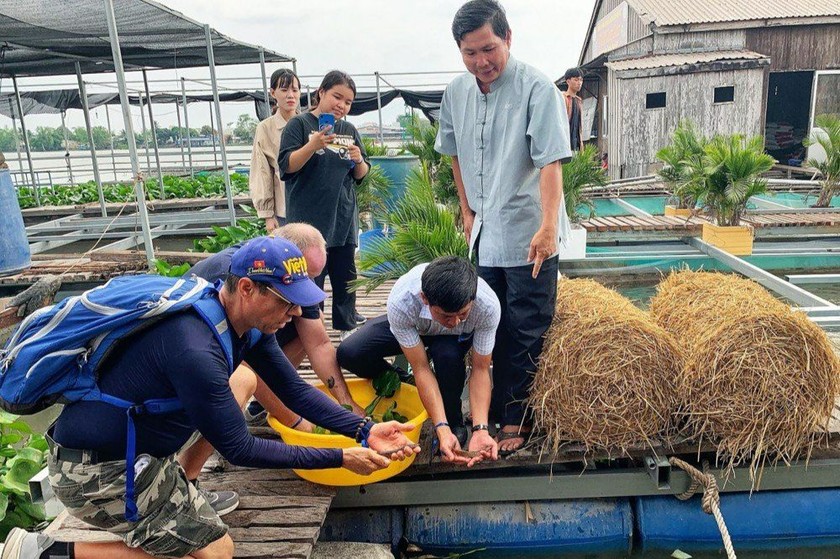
[{"x": 711, "y": 499}]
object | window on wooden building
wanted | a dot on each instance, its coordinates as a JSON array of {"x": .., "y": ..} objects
[
  {"x": 725, "y": 94},
  {"x": 655, "y": 100}
]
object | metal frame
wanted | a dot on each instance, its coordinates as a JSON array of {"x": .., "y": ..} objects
[
  {"x": 129, "y": 130},
  {"x": 217, "y": 105},
  {"x": 86, "y": 110},
  {"x": 153, "y": 128},
  {"x": 187, "y": 126},
  {"x": 475, "y": 487},
  {"x": 26, "y": 141},
  {"x": 771, "y": 282}
]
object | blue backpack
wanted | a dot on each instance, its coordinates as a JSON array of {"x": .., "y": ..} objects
[{"x": 54, "y": 355}]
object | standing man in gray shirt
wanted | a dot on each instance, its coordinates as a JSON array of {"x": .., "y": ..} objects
[{"x": 504, "y": 124}]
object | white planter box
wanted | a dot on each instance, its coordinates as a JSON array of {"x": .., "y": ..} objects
[{"x": 575, "y": 247}]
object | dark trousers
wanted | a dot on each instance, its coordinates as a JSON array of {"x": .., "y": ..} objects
[
  {"x": 527, "y": 310},
  {"x": 364, "y": 352},
  {"x": 341, "y": 267}
]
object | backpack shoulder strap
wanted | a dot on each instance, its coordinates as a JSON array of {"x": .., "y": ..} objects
[{"x": 211, "y": 310}]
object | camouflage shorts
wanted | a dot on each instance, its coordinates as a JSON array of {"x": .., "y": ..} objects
[{"x": 175, "y": 519}]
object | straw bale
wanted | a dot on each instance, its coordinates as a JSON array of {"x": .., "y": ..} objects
[
  {"x": 760, "y": 380},
  {"x": 606, "y": 374}
]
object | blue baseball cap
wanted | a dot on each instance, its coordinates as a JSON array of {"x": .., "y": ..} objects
[{"x": 279, "y": 263}]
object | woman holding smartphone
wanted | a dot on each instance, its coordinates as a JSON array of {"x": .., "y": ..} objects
[
  {"x": 267, "y": 190},
  {"x": 322, "y": 159}
]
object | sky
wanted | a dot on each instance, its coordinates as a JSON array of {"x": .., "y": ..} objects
[{"x": 361, "y": 37}]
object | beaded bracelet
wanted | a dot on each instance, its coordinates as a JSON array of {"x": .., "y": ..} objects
[{"x": 359, "y": 437}]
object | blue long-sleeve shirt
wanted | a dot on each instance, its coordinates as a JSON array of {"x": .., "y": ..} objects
[{"x": 180, "y": 357}]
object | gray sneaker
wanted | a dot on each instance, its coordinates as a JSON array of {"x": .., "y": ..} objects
[
  {"x": 21, "y": 544},
  {"x": 222, "y": 502}
]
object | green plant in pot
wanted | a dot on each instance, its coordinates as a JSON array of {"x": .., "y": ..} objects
[
  {"x": 685, "y": 151},
  {"x": 827, "y": 138},
  {"x": 730, "y": 173},
  {"x": 582, "y": 172},
  {"x": 419, "y": 230}
]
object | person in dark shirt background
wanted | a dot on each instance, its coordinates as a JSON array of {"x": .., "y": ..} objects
[
  {"x": 180, "y": 357},
  {"x": 574, "y": 106},
  {"x": 321, "y": 169}
]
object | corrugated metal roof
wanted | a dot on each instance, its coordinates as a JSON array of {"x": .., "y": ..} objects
[
  {"x": 683, "y": 12},
  {"x": 665, "y": 60}
]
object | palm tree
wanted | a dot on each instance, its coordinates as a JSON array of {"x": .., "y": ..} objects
[
  {"x": 583, "y": 171},
  {"x": 686, "y": 149},
  {"x": 829, "y": 140},
  {"x": 730, "y": 174},
  {"x": 420, "y": 230}
]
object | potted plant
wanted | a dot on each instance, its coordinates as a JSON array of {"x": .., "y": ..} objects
[
  {"x": 685, "y": 150},
  {"x": 826, "y": 136},
  {"x": 583, "y": 171},
  {"x": 419, "y": 230},
  {"x": 729, "y": 174}
]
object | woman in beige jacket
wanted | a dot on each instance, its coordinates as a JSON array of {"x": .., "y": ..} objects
[{"x": 267, "y": 190}]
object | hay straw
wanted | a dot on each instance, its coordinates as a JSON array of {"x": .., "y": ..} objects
[
  {"x": 760, "y": 380},
  {"x": 606, "y": 374}
]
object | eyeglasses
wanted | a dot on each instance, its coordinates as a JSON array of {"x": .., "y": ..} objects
[{"x": 283, "y": 299}]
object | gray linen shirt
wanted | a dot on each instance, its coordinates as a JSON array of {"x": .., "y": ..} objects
[
  {"x": 502, "y": 140},
  {"x": 410, "y": 317}
]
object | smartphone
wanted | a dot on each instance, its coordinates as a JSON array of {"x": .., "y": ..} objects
[{"x": 326, "y": 119}]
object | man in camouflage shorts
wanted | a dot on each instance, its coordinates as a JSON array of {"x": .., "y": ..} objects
[
  {"x": 175, "y": 518},
  {"x": 180, "y": 357}
]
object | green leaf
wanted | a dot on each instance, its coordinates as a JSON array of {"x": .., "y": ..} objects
[
  {"x": 4, "y": 505},
  {"x": 10, "y": 439},
  {"x": 21, "y": 426},
  {"x": 387, "y": 383},
  {"x": 38, "y": 442},
  {"x": 389, "y": 413},
  {"x": 7, "y": 418},
  {"x": 18, "y": 476}
]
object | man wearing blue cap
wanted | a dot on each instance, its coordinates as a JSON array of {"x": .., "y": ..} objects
[{"x": 180, "y": 357}]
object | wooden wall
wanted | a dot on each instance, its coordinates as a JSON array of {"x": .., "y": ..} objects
[
  {"x": 636, "y": 133},
  {"x": 798, "y": 47},
  {"x": 636, "y": 28}
]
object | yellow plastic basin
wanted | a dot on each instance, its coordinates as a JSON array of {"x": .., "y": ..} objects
[{"x": 408, "y": 404}]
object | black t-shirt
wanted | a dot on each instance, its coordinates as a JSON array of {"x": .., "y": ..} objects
[
  {"x": 217, "y": 266},
  {"x": 575, "y": 125},
  {"x": 322, "y": 193}
]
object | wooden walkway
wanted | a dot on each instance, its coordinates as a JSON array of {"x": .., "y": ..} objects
[
  {"x": 279, "y": 515},
  {"x": 694, "y": 225}
]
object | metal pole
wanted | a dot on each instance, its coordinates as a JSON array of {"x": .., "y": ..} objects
[
  {"x": 187, "y": 125},
  {"x": 145, "y": 136},
  {"x": 181, "y": 136},
  {"x": 66, "y": 148},
  {"x": 26, "y": 142},
  {"x": 17, "y": 139},
  {"x": 154, "y": 136},
  {"x": 129, "y": 131},
  {"x": 212, "y": 63},
  {"x": 294, "y": 66},
  {"x": 379, "y": 109},
  {"x": 264, "y": 81},
  {"x": 111, "y": 135},
  {"x": 86, "y": 110},
  {"x": 213, "y": 136}
]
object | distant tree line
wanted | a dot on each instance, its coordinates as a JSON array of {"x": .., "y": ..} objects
[{"x": 46, "y": 138}]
